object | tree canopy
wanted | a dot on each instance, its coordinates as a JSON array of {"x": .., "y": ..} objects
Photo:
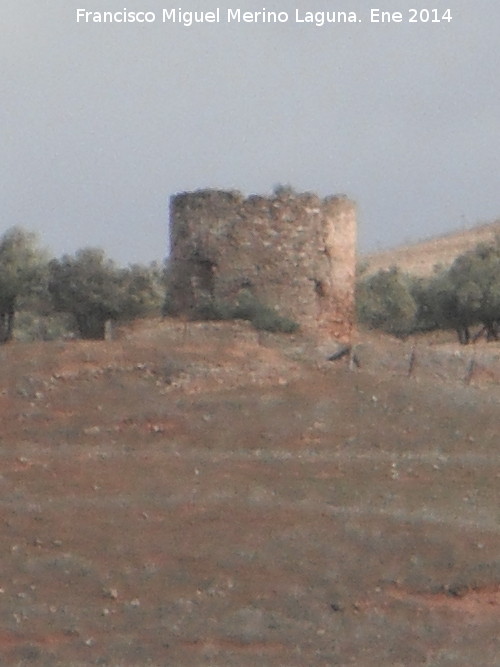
[
  {"x": 93, "y": 290},
  {"x": 384, "y": 301},
  {"x": 22, "y": 273},
  {"x": 466, "y": 294}
]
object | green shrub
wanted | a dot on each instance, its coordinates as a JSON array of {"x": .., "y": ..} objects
[
  {"x": 212, "y": 309},
  {"x": 266, "y": 319},
  {"x": 31, "y": 326},
  {"x": 384, "y": 301},
  {"x": 248, "y": 308}
]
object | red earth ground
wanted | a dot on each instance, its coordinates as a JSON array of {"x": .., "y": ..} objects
[{"x": 220, "y": 497}]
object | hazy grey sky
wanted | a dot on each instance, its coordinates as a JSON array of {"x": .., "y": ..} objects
[{"x": 101, "y": 123}]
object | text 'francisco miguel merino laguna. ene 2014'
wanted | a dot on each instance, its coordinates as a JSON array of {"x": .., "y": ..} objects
[{"x": 217, "y": 15}]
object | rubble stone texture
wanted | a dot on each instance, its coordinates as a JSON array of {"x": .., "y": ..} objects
[{"x": 295, "y": 253}]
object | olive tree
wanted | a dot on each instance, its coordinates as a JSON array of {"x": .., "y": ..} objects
[
  {"x": 447, "y": 309},
  {"x": 475, "y": 276},
  {"x": 93, "y": 289},
  {"x": 384, "y": 301},
  {"x": 22, "y": 274},
  {"x": 87, "y": 285},
  {"x": 143, "y": 290},
  {"x": 468, "y": 293}
]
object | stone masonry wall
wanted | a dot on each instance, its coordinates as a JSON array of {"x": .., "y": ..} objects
[{"x": 293, "y": 252}]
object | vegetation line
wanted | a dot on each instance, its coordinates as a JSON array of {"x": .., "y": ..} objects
[{"x": 464, "y": 296}]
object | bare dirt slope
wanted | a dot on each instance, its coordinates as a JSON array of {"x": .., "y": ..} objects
[
  {"x": 219, "y": 497},
  {"x": 421, "y": 259}
]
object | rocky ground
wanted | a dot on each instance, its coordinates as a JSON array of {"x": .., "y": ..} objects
[{"x": 208, "y": 495}]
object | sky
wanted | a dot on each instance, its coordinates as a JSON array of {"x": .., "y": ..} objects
[{"x": 100, "y": 123}]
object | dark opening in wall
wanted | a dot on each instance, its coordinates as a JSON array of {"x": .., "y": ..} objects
[
  {"x": 204, "y": 275},
  {"x": 319, "y": 288}
]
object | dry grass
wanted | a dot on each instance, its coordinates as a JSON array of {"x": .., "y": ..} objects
[
  {"x": 225, "y": 498},
  {"x": 421, "y": 259}
]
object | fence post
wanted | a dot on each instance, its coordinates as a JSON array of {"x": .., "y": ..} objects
[
  {"x": 470, "y": 370},
  {"x": 411, "y": 360},
  {"x": 108, "y": 330}
]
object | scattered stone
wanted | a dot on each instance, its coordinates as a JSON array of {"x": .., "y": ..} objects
[
  {"x": 92, "y": 430},
  {"x": 341, "y": 352},
  {"x": 111, "y": 593}
]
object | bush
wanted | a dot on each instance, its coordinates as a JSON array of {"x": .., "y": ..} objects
[
  {"x": 31, "y": 326},
  {"x": 267, "y": 319},
  {"x": 247, "y": 308},
  {"x": 212, "y": 309},
  {"x": 384, "y": 301}
]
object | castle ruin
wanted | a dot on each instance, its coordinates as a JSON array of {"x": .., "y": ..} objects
[{"x": 292, "y": 252}]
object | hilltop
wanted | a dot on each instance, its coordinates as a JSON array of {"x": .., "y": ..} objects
[{"x": 422, "y": 258}]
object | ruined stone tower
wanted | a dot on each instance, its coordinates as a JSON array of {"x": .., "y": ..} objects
[{"x": 293, "y": 252}]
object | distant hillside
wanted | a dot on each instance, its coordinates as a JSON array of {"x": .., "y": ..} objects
[{"x": 421, "y": 258}]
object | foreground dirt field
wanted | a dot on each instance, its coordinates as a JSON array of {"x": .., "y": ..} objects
[{"x": 218, "y": 497}]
